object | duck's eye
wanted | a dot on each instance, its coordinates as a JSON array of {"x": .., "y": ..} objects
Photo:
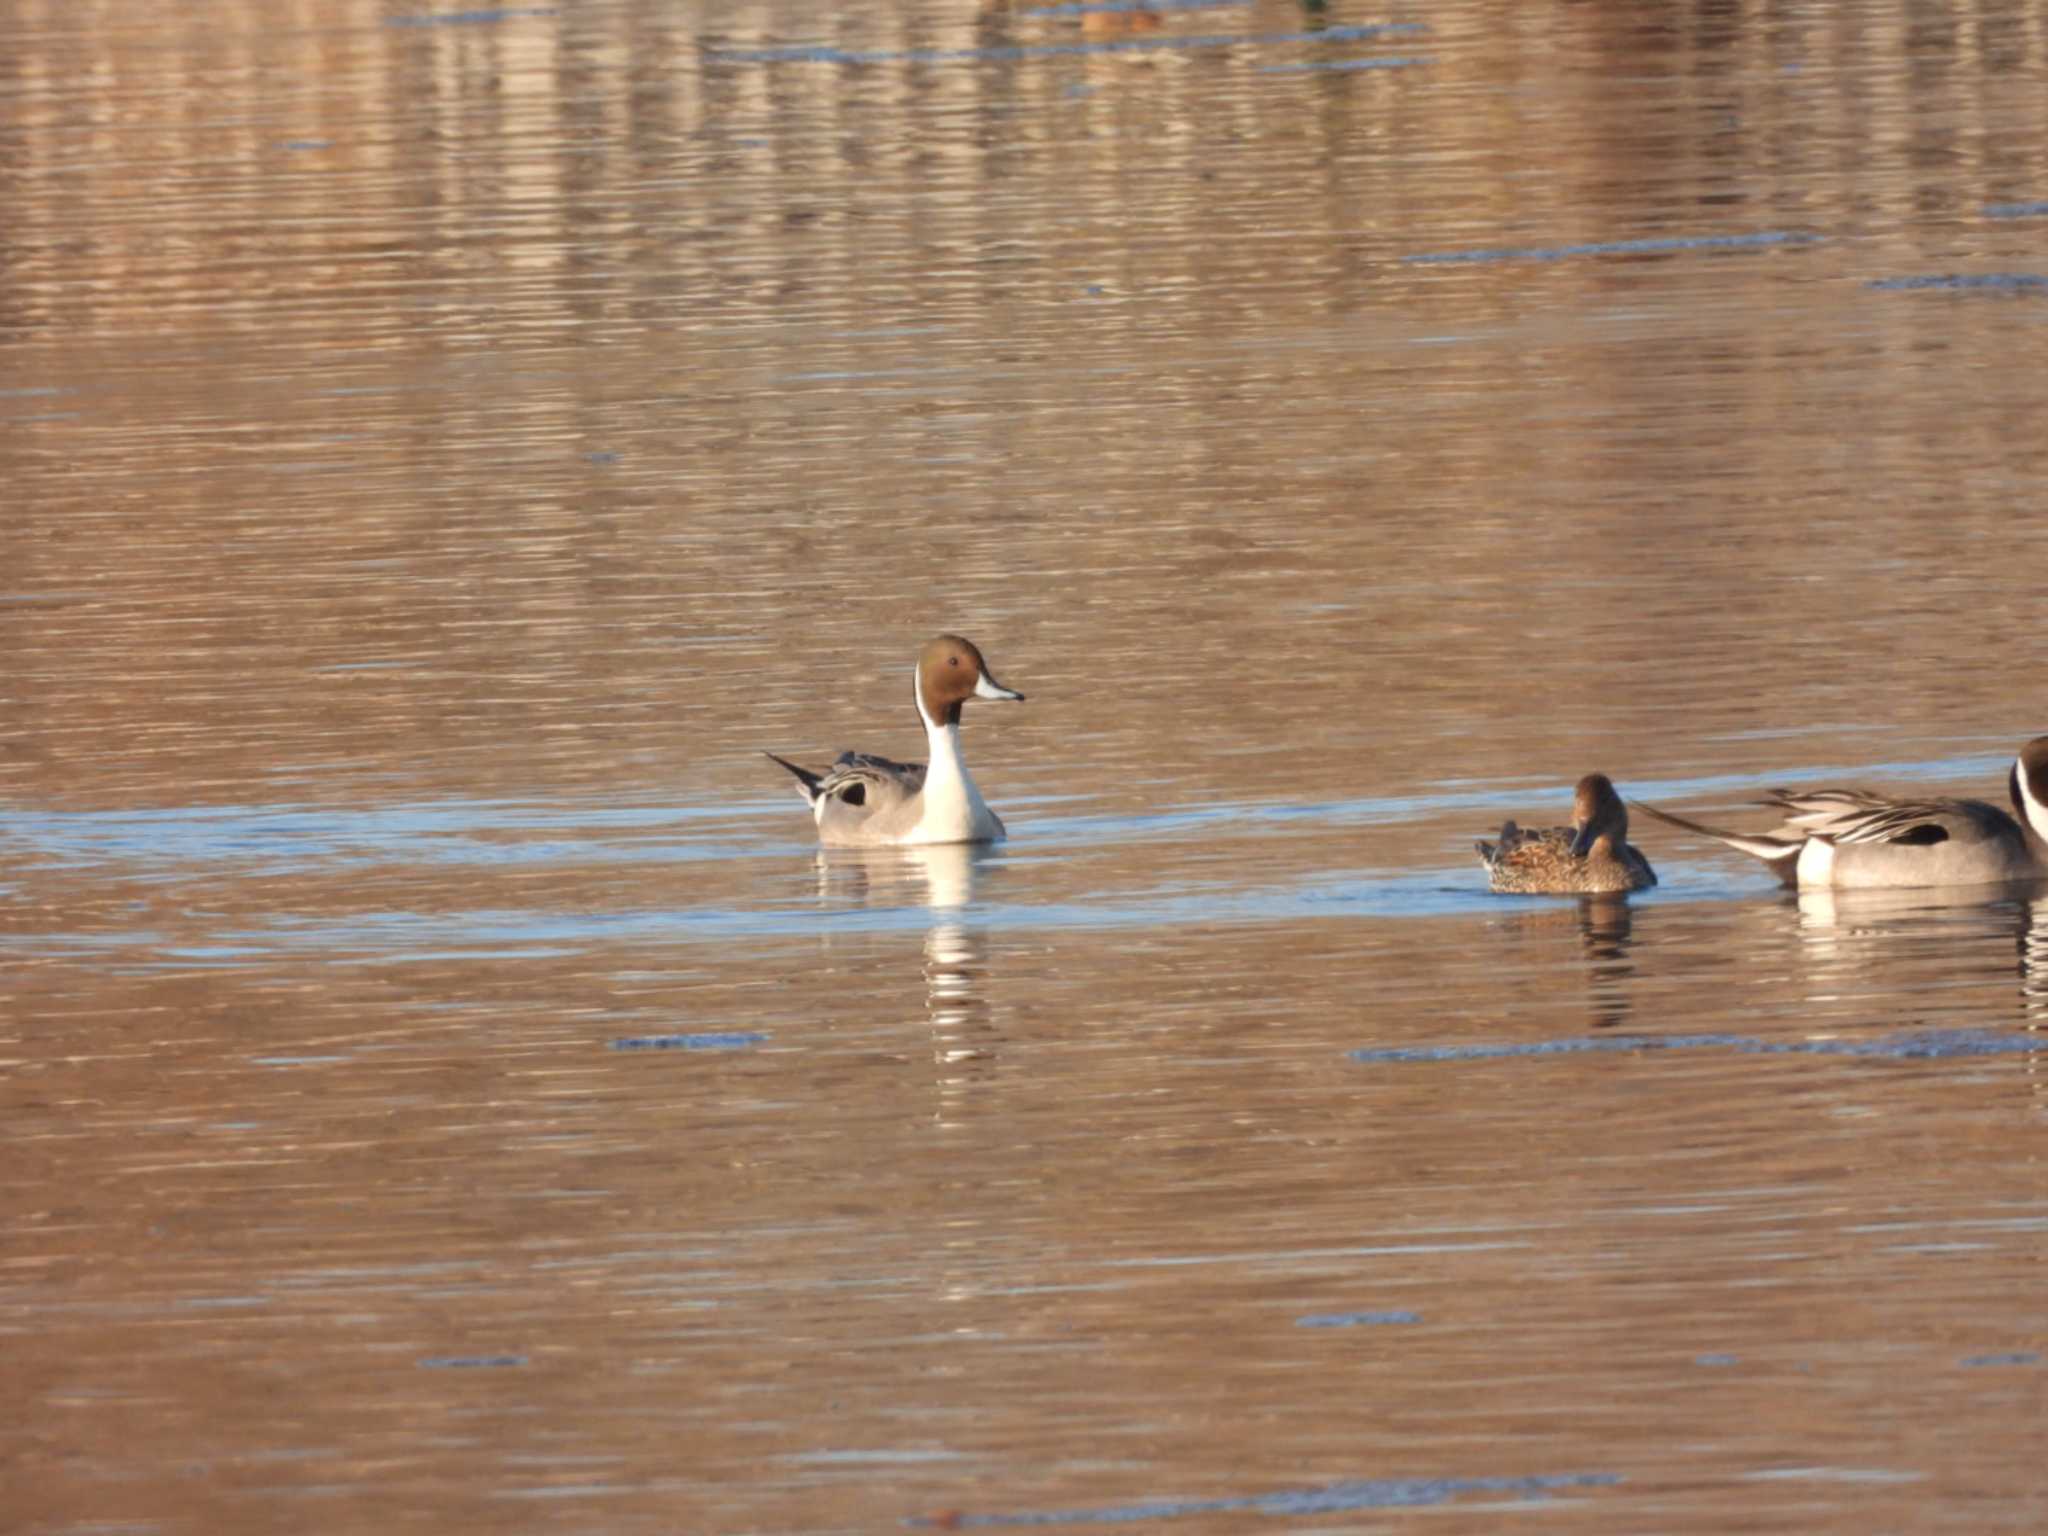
[
  {"x": 854, "y": 794},
  {"x": 952, "y": 661}
]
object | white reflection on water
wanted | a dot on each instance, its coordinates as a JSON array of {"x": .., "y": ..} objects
[
  {"x": 943, "y": 879},
  {"x": 955, "y": 967},
  {"x": 1846, "y": 935}
]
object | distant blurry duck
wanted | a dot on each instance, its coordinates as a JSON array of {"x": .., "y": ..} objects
[{"x": 1591, "y": 856}]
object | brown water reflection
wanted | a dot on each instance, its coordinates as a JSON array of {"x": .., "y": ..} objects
[{"x": 445, "y": 1089}]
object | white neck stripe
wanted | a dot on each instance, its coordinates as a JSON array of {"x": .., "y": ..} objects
[
  {"x": 917, "y": 697},
  {"x": 2036, "y": 812}
]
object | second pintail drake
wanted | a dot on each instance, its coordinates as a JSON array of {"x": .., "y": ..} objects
[
  {"x": 865, "y": 801},
  {"x": 1848, "y": 839},
  {"x": 1592, "y": 856}
]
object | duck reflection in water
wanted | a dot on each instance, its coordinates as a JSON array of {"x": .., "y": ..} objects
[
  {"x": 1605, "y": 926},
  {"x": 1606, "y": 929},
  {"x": 1847, "y": 934},
  {"x": 942, "y": 878}
]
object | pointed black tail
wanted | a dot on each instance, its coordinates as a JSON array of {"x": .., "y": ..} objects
[{"x": 804, "y": 776}]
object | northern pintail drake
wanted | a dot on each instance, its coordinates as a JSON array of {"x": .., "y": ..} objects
[
  {"x": 1850, "y": 839},
  {"x": 865, "y": 801},
  {"x": 1592, "y": 856}
]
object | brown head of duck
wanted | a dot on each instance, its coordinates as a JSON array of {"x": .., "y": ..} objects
[
  {"x": 950, "y": 671},
  {"x": 1599, "y": 819}
]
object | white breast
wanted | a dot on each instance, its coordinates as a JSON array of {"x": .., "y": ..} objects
[{"x": 1817, "y": 862}]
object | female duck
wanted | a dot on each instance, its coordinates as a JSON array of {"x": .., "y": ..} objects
[{"x": 1592, "y": 856}]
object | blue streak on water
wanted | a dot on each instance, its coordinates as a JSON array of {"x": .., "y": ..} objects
[
  {"x": 1342, "y": 65},
  {"x": 498, "y": 933},
  {"x": 482, "y": 18},
  {"x": 1495, "y": 800},
  {"x": 1356, "y": 1319},
  {"x": 1923, "y": 1045},
  {"x": 1498, "y": 1051},
  {"x": 1963, "y": 282},
  {"x": 296, "y": 836},
  {"x": 470, "y": 1362},
  {"x": 733, "y": 1040},
  {"x": 2016, "y": 1357},
  {"x": 178, "y": 844},
  {"x": 77, "y": 945},
  {"x": 1375, "y": 1493},
  {"x": 823, "y": 53},
  {"x": 1618, "y": 247},
  {"x": 2015, "y": 210}
]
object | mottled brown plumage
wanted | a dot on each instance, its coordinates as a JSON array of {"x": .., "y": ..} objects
[{"x": 1591, "y": 856}]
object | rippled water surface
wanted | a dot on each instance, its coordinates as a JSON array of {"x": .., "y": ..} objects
[{"x": 444, "y": 1089}]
